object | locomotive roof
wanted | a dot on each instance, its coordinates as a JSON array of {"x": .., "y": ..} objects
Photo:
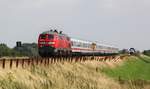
[{"x": 52, "y": 32}]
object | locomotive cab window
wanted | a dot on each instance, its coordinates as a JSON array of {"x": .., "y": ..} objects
[{"x": 43, "y": 36}]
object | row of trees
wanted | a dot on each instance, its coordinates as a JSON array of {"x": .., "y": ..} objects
[{"x": 26, "y": 49}]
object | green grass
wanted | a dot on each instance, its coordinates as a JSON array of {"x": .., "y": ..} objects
[{"x": 136, "y": 68}]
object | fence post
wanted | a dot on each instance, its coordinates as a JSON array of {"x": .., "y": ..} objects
[
  {"x": 41, "y": 61},
  {"x": 71, "y": 59},
  {"x": 32, "y": 62},
  {"x": 28, "y": 62},
  {"x": 55, "y": 60},
  {"x": 37, "y": 61},
  {"x": 17, "y": 61},
  {"x": 11, "y": 63},
  {"x": 84, "y": 59},
  {"x": 48, "y": 61},
  {"x": 45, "y": 61},
  {"x": 105, "y": 58},
  {"x": 51, "y": 60},
  {"x": 22, "y": 63},
  {"x": 3, "y": 63}
]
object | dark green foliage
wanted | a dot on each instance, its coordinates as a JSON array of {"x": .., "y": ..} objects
[
  {"x": 146, "y": 52},
  {"x": 26, "y": 49},
  {"x": 6, "y": 51}
]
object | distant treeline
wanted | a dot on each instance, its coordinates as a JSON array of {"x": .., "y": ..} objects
[{"x": 26, "y": 49}]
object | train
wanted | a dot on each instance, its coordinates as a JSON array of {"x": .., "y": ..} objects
[{"x": 54, "y": 43}]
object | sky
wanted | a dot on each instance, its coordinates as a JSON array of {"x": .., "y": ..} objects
[{"x": 122, "y": 23}]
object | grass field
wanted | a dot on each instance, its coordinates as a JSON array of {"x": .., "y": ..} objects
[
  {"x": 134, "y": 73},
  {"x": 134, "y": 69}
]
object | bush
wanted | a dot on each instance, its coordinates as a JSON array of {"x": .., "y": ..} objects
[
  {"x": 6, "y": 51},
  {"x": 27, "y": 49},
  {"x": 146, "y": 52}
]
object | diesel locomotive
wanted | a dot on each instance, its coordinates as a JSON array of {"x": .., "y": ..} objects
[{"x": 54, "y": 43}]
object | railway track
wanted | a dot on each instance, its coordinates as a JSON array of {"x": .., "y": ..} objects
[{"x": 38, "y": 61}]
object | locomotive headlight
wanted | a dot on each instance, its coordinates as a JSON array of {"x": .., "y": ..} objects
[
  {"x": 42, "y": 42},
  {"x": 51, "y": 42}
]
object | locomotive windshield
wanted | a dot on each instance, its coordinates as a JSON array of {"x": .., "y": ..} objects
[{"x": 43, "y": 36}]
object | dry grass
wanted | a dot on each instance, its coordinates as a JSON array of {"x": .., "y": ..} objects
[{"x": 60, "y": 76}]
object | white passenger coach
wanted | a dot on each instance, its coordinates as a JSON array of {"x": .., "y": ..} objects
[{"x": 85, "y": 47}]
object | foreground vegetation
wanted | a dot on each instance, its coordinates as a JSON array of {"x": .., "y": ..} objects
[
  {"x": 88, "y": 75},
  {"x": 135, "y": 68},
  {"x": 57, "y": 76}
]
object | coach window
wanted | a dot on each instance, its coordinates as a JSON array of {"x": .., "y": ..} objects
[
  {"x": 72, "y": 43},
  {"x": 68, "y": 38},
  {"x": 86, "y": 45},
  {"x": 78, "y": 44},
  {"x": 60, "y": 37},
  {"x": 83, "y": 44}
]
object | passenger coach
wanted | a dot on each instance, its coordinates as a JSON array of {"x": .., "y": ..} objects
[{"x": 83, "y": 47}]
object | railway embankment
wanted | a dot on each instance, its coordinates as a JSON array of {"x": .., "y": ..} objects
[
  {"x": 75, "y": 75},
  {"x": 135, "y": 72}
]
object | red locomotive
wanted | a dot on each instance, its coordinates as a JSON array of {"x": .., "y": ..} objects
[{"x": 52, "y": 43}]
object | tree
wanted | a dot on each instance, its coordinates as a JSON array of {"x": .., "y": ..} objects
[{"x": 6, "y": 51}]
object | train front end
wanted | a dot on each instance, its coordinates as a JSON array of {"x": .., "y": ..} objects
[{"x": 46, "y": 44}]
